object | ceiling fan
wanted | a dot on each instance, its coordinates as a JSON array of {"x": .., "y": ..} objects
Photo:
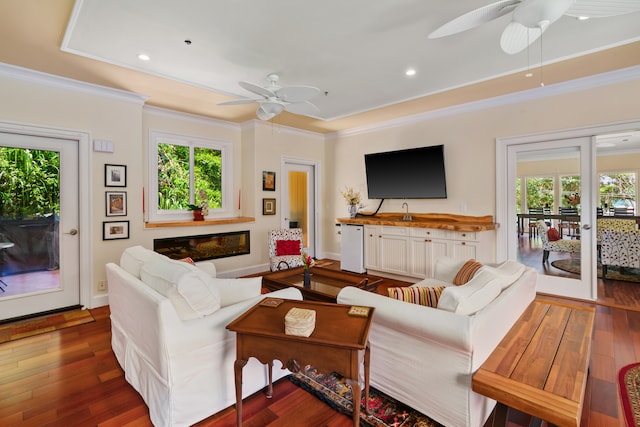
[
  {"x": 274, "y": 98},
  {"x": 530, "y": 18}
]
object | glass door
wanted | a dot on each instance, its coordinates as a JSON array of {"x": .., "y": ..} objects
[
  {"x": 39, "y": 246},
  {"x": 569, "y": 163}
]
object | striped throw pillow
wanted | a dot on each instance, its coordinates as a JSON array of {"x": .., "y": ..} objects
[
  {"x": 422, "y": 295},
  {"x": 466, "y": 272}
]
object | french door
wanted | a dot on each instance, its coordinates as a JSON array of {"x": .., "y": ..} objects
[
  {"x": 39, "y": 262},
  {"x": 299, "y": 200},
  {"x": 578, "y": 152}
]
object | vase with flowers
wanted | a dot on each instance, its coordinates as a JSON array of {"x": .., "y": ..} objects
[
  {"x": 307, "y": 263},
  {"x": 353, "y": 200}
]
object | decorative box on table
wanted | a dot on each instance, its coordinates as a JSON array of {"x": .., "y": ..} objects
[{"x": 299, "y": 322}]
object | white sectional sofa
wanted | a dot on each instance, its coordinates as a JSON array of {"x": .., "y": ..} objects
[
  {"x": 425, "y": 356},
  {"x": 168, "y": 322}
]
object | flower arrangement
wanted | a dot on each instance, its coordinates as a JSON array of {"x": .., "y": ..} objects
[
  {"x": 307, "y": 261},
  {"x": 351, "y": 196},
  {"x": 572, "y": 199}
]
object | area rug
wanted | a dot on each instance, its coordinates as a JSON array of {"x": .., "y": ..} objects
[
  {"x": 629, "y": 386},
  {"x": 614, "y": 273},
  {"x": 40, "y": 325},
  {"x": 334, "y": 390}
]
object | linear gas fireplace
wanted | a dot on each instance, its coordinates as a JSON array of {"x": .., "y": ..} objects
[{"x": 205, "y": 246}]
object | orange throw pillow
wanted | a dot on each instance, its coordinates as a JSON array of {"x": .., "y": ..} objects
[
  {"x": 422, "y": 295},
  {"x": 466, "y": 272}
]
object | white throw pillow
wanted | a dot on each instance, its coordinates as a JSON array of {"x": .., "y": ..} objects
[
  {"x": 510, "y": 270},
  {"x": 446, "y": 268},
  {"x": 233, "y": 291},
  {"x": 192, "y": 292},
  {"x": 134, "y": 257},
  {"x": 474, "y": 295}
]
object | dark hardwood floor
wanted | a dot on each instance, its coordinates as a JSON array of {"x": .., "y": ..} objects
[{"x": 71, "y": 378}]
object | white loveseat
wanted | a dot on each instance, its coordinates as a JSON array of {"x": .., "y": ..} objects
[
  {"x": 175, "y": 350},
  {"x": 425, "y": 356}
]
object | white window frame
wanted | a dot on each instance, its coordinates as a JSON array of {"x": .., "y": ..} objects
[{"x": 226, "y": 149}]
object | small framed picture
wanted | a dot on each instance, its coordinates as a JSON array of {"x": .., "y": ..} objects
[
  {"x": 116, "y": 203},
  {"x": 268, "y": 206},
  {"x": 113, "y": 230},
  {"x": 115, "y": 176},
  {"x": 268, "y": 181}
]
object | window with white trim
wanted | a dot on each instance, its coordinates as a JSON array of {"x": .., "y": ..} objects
[{"x": 185, "y": 172}]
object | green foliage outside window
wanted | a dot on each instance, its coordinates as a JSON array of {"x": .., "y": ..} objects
[
  {"x": 29, "y": 183},
  {"x": 570, "y": 187},
  {"x": 174, "y": 176},
  {"x": 540, "y": 192}
]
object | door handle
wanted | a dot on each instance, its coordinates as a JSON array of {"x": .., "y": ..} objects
[
  {"x": 73, "y": 232},
  {"x": 586, "y": 227}
]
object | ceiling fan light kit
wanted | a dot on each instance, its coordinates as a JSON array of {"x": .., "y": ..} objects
[{"x": 274, "y": 99}]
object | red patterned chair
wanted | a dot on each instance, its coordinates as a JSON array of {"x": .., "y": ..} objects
[{"x": 285, "y": 247}]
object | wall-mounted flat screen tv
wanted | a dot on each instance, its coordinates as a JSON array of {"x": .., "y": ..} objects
[{"x": 416, "y": 173}]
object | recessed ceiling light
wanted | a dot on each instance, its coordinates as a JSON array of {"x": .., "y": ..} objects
[
  {"x": 529, "y": 75},
  {"x": 582, "y": 18},
  {"x": 143, "y": 57},
  {"x": 410, "y": 72}
]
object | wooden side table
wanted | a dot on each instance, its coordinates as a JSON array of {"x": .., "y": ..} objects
[
  {"x": 541, "y": 365},
  {"x": 334, "y": 344}
]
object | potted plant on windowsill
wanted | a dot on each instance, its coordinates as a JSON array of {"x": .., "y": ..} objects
[{"x": 201, "y": 210}]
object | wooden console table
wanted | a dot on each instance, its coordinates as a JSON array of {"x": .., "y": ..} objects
[
  {"x": 334, "y": 344},
  {"x": 541, "y": 365}
]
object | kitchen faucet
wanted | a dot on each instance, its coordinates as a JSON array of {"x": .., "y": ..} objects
[{"x": 406, "y": 216}]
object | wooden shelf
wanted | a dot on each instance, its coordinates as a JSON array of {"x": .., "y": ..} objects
[{"x": 219, "y": 221}]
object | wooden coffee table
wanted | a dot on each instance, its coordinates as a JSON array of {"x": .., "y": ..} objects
[
  {"x": 333, "y": 346},
  {"x": 325, "y": 283}
]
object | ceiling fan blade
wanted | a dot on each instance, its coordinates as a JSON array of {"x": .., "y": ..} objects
[
  {"x": 267, "y": 93},
  {"x": 303, "y": 108},
  {"x": 516, "y": 37},
  {"x": 603, "y": 8},
  {"x": 475, "y": 17},
  {"x": 240, "y": 101},
  {"x": 297, "y": 93}
]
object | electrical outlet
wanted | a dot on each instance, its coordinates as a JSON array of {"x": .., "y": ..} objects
[{"x": 102, "y": 285}]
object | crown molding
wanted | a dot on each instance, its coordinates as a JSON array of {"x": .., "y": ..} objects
[
  {"x": 261, "y": 124},
  {"x": 194, "y": 118},
  {"x": 50, "y": 80},
  {"x": 598, "y": 80}
]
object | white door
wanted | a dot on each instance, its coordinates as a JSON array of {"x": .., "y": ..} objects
[
  {"x": 299, "y": 200},
  {"x": 581, "y": 153},
  {"x": 44, "y": 259}
]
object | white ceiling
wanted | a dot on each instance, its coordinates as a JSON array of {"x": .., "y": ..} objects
[{"x": 356, "y": 51}]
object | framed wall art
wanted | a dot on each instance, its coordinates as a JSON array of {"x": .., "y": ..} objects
[
  {"x": 114, "y": 230},
  {"x": 116, "y": 203},
  {"x": 268, "y": 206},
  {"x": 115, "y": 176},
  {"x": 268, "y": 181}
]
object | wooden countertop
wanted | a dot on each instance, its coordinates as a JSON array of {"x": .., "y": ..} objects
[{"x": 427, "y": 220}]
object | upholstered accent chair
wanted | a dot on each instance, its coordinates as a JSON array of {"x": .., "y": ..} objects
[
  {"x": 616, "y": 224},
  {"x": 561, "y": 245},
  {"x": 619, "y": 248},
  {"x": 285, "y": 246}
]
